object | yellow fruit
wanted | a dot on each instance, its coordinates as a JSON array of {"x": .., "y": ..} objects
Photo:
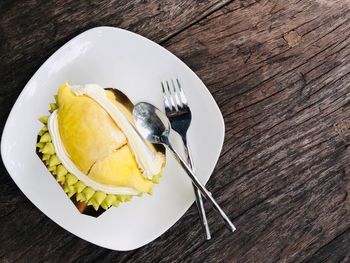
[
  {"x": 98, "y": 148},
  {"x": 87, "y": 131},
  {"x": 120, "y": 169},
  {"x": 96, "y": 144}
]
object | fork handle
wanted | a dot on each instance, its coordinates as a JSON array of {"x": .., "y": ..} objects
[
  {"x": 199, "y": 200},
  {"x": 200, "y": 186}
]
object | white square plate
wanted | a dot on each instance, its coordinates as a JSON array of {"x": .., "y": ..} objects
[{"x": 117, "y": 58}]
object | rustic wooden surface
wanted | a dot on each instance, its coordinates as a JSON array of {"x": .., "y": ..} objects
[{"x": 280, "y": 73}]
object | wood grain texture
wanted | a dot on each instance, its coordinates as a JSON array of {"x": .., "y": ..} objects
[{"x": 279, "y": 71}]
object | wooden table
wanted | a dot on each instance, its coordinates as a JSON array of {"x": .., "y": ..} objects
[{"x": 280, "y": 73}]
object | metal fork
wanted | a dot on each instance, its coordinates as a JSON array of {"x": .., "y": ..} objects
[{"x": 179, "y": 115}]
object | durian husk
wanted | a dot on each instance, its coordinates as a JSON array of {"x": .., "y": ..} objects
[{"x": 82, "y": 196}]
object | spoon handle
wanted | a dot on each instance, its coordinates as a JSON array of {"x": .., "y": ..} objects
[
  {"x": 201, "y": 187},
  {"x": 197, "y": 192}
]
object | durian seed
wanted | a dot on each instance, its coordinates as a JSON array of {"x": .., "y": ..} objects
[
  {"x": 53, "y": 106},
  {"x": 40, "y": 145},
  {"x": 110, "y": 199},
  {"x": 71, "y": 179},
  {"x": 45, "y": 138},
  {"x": 54, "y": 160},
  {"x": 99, "y": 196},
  {"x": 61, "y": 171},
  {"x": 88, "y": 192},
  {"x": 79, "y": 186},
  {"x": 48, "y": 149},
  {"x": 44, "y": 119},
  {"x": 94, "y": 204}
]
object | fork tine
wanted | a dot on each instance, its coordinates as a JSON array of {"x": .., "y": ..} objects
[
  {"x": 182, "y": 94},
  {"x": 165, "y": 99},
  {"x": 171, "y": 97},
  {"x": 176, "y": 95}
]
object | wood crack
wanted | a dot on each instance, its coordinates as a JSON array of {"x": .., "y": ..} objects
[{"x": 201, "y": 17}]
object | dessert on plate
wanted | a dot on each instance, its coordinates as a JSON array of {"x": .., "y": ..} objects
[{"x": 90, "y": 145}]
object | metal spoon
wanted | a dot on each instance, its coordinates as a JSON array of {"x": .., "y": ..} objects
[{"x": 154, "y": 126}]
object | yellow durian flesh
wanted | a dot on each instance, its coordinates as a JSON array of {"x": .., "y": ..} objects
[
  {"x": 96, "y": 144},
  {"x": 120, "y": 169},
  {"x": 87, "y": 131}
]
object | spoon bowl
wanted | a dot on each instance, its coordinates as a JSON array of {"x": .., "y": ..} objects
[{"x": 151, "y": 123}]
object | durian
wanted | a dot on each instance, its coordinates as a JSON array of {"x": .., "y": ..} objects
[
  {"x": 48, "y": 149},
  {"x": 97, "y": 147}
]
